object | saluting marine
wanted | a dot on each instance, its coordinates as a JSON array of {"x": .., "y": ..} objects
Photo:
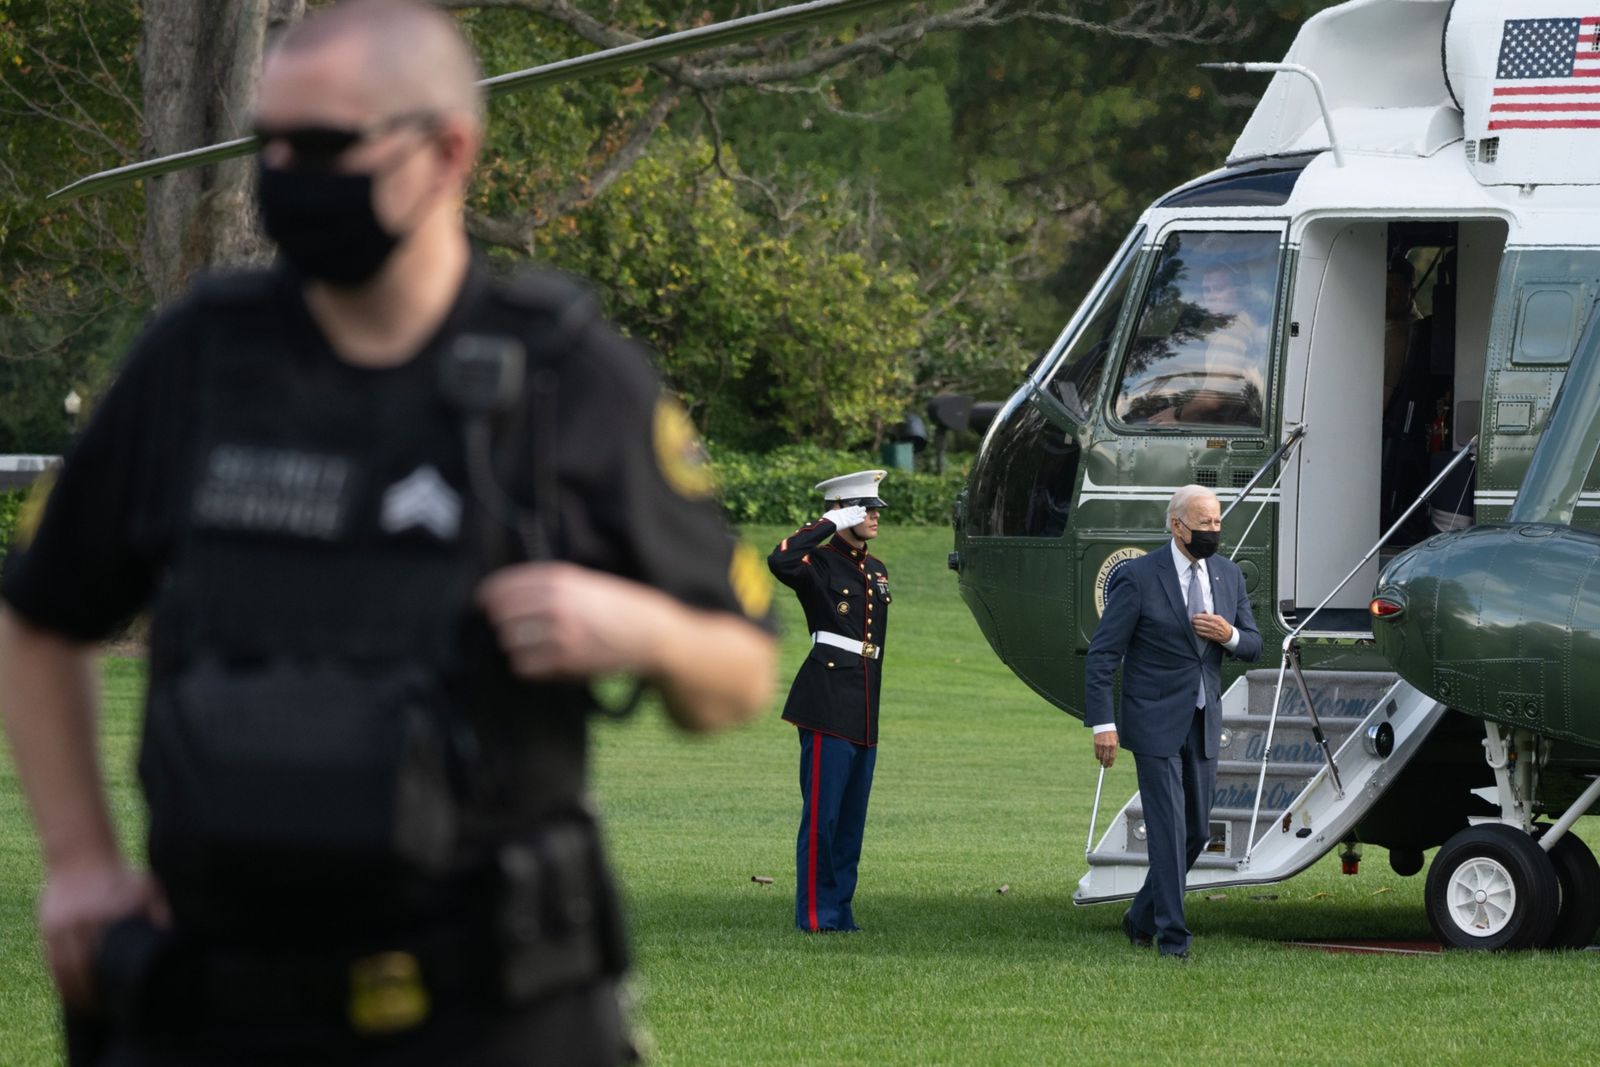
[{"x": 844, "y": 591}]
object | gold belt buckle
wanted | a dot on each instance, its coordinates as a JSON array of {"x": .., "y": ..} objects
[
  {"x": 386, "y": 993},
  {"x": 869, "y": 650}
]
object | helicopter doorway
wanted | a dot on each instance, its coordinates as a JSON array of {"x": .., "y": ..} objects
[{"x": 1385, "y": 363}]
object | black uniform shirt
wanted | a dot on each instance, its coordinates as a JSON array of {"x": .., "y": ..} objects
[{"x": 845, "y": 591}]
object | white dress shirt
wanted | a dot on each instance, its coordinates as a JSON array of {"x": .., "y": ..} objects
[{"x": 1182, "y": 563}]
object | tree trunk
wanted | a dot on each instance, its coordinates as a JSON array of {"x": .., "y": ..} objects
[{"x": 199, "y": 64}]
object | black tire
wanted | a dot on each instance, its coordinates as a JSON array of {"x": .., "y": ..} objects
[
  {"x": 1578, "y": 874},
  {"x": 1514, "y": 876},
  {"x": 1405, "y": 861}
]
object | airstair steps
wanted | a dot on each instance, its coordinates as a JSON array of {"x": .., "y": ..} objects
[
  {"x": 1135, "y": 810},
  {"x": 1338, "y": 694},
  {"x": 1342, "y": 700},
  {"x": 1289, "y": 722},
  {"x": 1209, "y": 861},
  {"x": 1275, "y": 768}
]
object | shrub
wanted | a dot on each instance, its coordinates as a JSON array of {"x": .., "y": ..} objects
[
  {"x": 10, "y": 512},
  {"x": 776, "y": 487}
]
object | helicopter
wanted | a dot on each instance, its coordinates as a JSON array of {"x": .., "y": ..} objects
[{"x": 1374, "y": 334}]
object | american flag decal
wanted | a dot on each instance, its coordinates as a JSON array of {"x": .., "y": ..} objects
[{"x": 1549, "y": 75}]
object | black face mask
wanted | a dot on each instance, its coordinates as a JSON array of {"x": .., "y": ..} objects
[
  {"x": 324, "y": 223},
  {"x": 1202, "y": 543}
]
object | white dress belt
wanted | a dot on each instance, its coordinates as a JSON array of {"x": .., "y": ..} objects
[{"x": 849, "y": 644}]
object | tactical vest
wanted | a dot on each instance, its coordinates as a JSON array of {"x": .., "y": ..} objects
[{"x": 333, "y": 743}]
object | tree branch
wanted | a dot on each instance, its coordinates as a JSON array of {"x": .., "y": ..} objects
[
  {"x": 1159, "y": 22},
  {"x": 518, "y": 233}
]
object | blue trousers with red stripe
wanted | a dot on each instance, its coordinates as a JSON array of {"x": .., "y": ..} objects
[{"x": 835, "y": 780}]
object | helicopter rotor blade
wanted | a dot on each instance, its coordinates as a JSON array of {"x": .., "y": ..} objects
[{"x": 648, "y": 50}]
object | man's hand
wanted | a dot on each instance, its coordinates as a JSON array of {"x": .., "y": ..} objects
[
  {"x": 1105, "y": 747},
  {"x": 1212, "y": 627},
  {"x": 76, "y": 907},
  {"x": 846, "y": 518},
  {"x": 559, "y": 620}
]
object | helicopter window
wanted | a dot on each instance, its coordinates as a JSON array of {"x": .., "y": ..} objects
[
  {"x": 1076, "y": 380},
  {"x": 1263, "y": 187},
  {"x": 1024, "y": 480},
  {"x": 1199, "y": 355},
  {"x": 1547, "y": 327}
]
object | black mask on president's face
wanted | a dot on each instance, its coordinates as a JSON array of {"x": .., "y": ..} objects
[
  {"x": 324, "y": 223},
  {"x": 1202, "y": 543}
]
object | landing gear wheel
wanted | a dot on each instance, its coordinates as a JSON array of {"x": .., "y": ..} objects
[
  {"x": 1578, "y": 874},
  {"x": 1492, "y": 887}
]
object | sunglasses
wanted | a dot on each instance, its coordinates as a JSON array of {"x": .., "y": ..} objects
[{"x": 319, "y": 147}]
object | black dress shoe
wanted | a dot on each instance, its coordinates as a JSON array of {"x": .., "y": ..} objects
[
  {"x": 1135, "y": 938},
  {"x": 1176, "y": 957}
]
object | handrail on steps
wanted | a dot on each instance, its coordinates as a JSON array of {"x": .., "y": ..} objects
[
  {"x": 1296, "y": 433},
  {"x": 1291, "y": 655}
]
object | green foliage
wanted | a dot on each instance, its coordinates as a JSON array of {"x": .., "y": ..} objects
[
  {"x": 539, "y": 144},
  {"x": 778, "y": 487},
  {"x": 10, "y": 513},
  {"x": 70, "y": 292},
  {"x": 768, "y": 337},
  {"x": 885, "y": 145},
  {"x": 1088, "y": 128}
]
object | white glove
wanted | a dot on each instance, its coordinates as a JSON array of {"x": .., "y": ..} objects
[{"x": 846, "y": 518}]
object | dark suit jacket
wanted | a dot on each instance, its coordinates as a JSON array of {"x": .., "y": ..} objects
[{"x": 1146, "y": 631}]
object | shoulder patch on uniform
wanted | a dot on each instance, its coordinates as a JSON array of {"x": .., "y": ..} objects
[
  {"x": 752, "y": 585},
  {"x": 32, "y": 512},
  {"x": 679, "y": 453}
]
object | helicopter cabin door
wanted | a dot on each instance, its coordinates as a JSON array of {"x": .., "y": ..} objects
[{"x": 1334, "y": 384}]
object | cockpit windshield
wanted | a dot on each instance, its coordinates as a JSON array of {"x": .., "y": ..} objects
[
  {"x": 1075, "y": 381},
  {"x": 1199, "y": 354}
]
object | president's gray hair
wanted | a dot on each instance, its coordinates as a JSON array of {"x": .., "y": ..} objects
[{"x": 1178, "y": 506}]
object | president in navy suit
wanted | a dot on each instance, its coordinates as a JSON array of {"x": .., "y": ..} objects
[{"x": 1170, "y": 615}]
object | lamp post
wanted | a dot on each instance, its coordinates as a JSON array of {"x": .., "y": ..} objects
[{"x": 72, "y": 405}]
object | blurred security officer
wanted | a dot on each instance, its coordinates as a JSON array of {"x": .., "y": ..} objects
[
  {"x": 834, "y": 700},
  {"x": 1170, "y": 616},
  {"x": 389, "y": 513}
]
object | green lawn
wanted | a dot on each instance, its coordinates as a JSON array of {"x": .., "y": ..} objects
[{"x": 979, "y": 785}]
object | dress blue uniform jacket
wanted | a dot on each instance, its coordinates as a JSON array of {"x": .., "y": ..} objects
[
  {"x": 1147, "y": 632},
  {"x": 845, "y": 591}
]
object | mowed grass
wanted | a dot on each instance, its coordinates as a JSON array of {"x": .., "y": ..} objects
[{"x": 980, "y": 784}]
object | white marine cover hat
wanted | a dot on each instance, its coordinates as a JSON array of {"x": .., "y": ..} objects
[{"x": 858, "y": 488}]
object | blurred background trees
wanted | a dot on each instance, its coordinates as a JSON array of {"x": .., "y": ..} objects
[{"x": 815, "y": 232}]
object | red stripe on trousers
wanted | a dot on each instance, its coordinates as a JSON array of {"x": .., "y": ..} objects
[{"x": 811, "y": 845}]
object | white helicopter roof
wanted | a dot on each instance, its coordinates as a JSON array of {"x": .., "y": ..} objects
[{"x": 1520, "y": 84}]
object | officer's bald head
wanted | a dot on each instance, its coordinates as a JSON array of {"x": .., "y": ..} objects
[{"x": 393, "y": 56}]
